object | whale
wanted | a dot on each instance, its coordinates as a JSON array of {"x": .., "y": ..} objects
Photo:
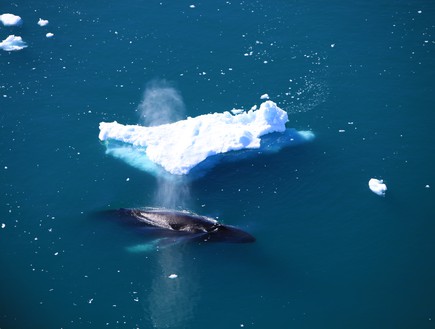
[{"x": 183, "y": 224}]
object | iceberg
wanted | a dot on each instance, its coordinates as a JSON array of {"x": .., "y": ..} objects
[
  {"x": 12, "y": 43},
  {"x": 10, "y": 19},
  {"x": 180, "y": 146},
  {"x": 377, "y": 186},
  {"x": 42, "y": 22}
]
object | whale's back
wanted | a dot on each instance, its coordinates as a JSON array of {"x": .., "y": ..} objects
[
  {"x": 172, "y": 219},
  {"x": 201, "y": 228}
]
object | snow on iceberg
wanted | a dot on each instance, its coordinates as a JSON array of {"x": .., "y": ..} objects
[
  {"x": 178, "y": 147},
  {"x": 12, "y": 43},
  {"x": 377, "y": 186},
  {"x": 10, "y": 19}
]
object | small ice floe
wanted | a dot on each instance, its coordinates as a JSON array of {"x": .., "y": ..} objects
[
  {"x": 173, "y": 276},
  {"x": 377, "y": 186},
  {"x": 3, "y": 225},
  {"x": 264, "y": 96},
  {"x": 49, "y": 35},
  {"x": 12, "y": 43},
  {"x": 42, "y": 22},
  {"x": 10, "y": 19},
  {"x": 237, "y": 111},
  {"x": 427, "y": 186}
]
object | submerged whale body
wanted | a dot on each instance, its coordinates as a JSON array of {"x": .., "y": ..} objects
[{"x": 188, "y": 224}]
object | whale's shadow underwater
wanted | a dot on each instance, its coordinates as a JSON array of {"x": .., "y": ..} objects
[{"x": 169, "y": 227}]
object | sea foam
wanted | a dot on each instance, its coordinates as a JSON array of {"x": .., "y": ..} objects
[{"x": 180, "y": 146}]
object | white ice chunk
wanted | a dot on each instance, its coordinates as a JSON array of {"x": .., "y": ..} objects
[
  {"x": 180, "y": 146},
  {"x": 264, "y": 96},
  {"x": 10, "y": 19},
  {"x": 173, "y": 276},
  {"x": 42, "y": 22},
  {"x": 377, "y": 186},
  {"x": 12, "y": 43},
  {"x": 236, "y": 111},
  {"x": 49, "y": 35}
]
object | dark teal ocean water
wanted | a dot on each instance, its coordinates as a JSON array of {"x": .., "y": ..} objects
[{"x": 329, "y": 252}]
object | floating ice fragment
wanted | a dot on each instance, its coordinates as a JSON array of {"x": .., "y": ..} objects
[
  {"x": 10, "y": 19},
  {"x": 3, "y": 225},
  {"x": 173, "y": 276},
  {"x": 192, "y": 6},
  {"x": 427, "y": 186},
  {"x": 42, "y": 22},
  {"x": 264, "y": 96},
  {"x": 377, "y": 186},
  {"x": 49, "y": 35},
  {"x": 12, "y": 43},
  {"x": 180, "y": 146},
  {"x": 332, "y": 45},
  {"x": 236, "y": 111}
]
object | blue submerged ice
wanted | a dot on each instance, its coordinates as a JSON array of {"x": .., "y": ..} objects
[{"x": 179, "y": 147}]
